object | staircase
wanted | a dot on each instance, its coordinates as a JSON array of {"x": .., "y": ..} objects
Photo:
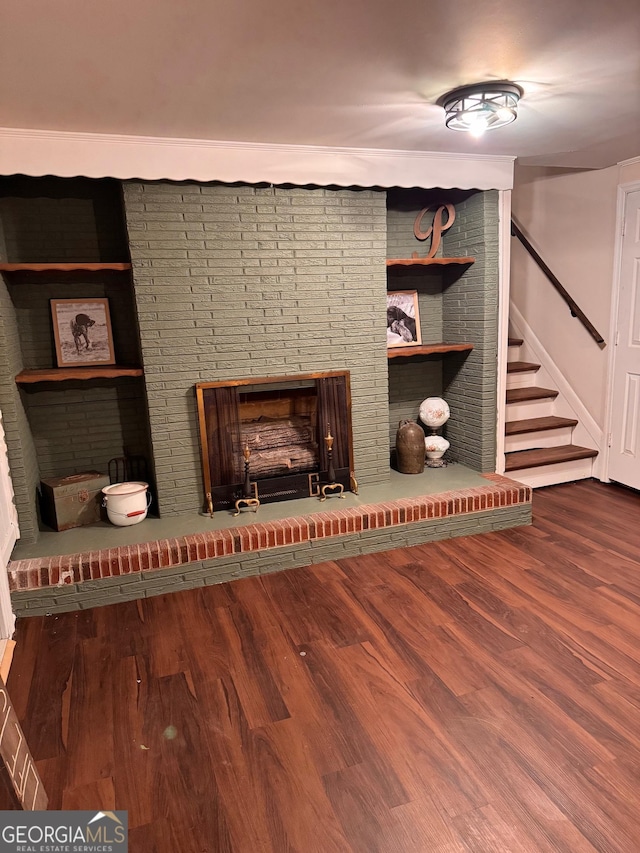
[{"x": 538, "y": 437}]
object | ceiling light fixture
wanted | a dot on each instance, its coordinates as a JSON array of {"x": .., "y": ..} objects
[{"x": 481, "y": 107}]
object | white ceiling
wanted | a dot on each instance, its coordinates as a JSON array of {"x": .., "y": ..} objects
[{"x": 354, "y": 73}]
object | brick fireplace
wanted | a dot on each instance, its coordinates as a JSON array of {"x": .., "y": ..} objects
[
  {"x": 239, "y": 282},
  {"x": 234, "y": 283}
]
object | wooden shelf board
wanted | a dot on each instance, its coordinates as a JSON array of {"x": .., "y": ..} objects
[
  {"x": 425, "y": 262},
  {"x": 56, "y": 267},
  {"x": 427, "y": 349},
  {"x": 61, "y": 374}
]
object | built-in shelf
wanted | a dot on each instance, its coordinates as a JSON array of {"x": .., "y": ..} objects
[
  {"x": 427, "y": 349},
  {"x": 427, "y": 262},
  {"x": 62, "y": 374},
  {"x": 55, "y": 267}
]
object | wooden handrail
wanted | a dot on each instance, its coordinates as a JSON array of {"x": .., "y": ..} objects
[{"x": 575, "y": 309}]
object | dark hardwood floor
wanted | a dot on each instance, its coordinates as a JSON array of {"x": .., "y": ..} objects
[{"x": 480, "y": 694}]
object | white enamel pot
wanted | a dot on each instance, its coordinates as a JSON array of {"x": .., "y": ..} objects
[{"x": 126, "y": 503}]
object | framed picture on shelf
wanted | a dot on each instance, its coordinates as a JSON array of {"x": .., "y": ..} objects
[
  {"x": 82, "y": 332},
  {"x": 403, "y": 319}
]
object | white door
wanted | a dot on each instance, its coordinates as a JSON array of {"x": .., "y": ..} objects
[
  {"x": 8, "y": 536},
  {"x": 624, "y": 452}
]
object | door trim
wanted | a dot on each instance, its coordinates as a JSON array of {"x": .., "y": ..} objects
[
  {"x": 504, "y": 281},
  {"x": 623, "y": 191}
]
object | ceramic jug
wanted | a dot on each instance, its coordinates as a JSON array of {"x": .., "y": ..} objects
[{"x": 410, "y": 447}]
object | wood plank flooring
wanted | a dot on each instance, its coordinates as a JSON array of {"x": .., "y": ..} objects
[{"x": 479, "y": 695}]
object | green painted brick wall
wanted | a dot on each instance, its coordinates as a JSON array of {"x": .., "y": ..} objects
[
  {"x": 60, "y": 429},
  {"x": 20, "y": 448},
  {"x": 471, "y": 313},
  {"x": 80, "y": 426},
  {"x": 31, "y": 298},
  {"x": 412, "y": 380},
  {"x": 239, "y": 281},
  {"x": 455, "y": 304},
  {"x": 61, "y": 219},
  {"x": 107, "y": 415}
]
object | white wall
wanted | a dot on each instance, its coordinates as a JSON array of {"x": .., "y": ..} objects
[
  {"x": 570, "y": 219},
  {"x": 8, "y": 536}
]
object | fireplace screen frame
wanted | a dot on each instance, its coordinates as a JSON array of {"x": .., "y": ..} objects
[{"x": 221, "y": 441}]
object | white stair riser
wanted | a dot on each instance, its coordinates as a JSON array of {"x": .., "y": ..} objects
[
  {"x": 532, "y": 409},
  {"x": 543, "y": 438},
  {"x": 549, "y": 475},
  {"x": 525, "y": 379}
]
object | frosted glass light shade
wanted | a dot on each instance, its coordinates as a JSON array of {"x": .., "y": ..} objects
[
  {"x": 435, "y": 446},
  {"x": 434, "y": 412}
]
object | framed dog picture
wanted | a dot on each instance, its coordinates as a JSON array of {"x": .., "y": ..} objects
[
  {"x": 82, "y": 332},
  {"x": 403, "y": 319}
]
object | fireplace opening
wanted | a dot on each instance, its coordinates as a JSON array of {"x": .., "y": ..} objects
[
  {"x": 280, "y": 429},
  {"x": 283, "y": 421}
]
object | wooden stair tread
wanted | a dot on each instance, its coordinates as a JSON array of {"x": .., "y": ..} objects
[
  {"x": 537, "y": 424},
  {"x": 522, "y": 395},
  {"x": 515, "y": 342},
  {"x": 539, "y": 456},
  {"x": 521, "y": 366}
]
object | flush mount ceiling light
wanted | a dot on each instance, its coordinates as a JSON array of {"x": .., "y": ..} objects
[{"x": 481, "y": 107}]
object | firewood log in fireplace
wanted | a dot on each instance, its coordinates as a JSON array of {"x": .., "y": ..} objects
[
  {"x": 265, "y": 433},
  {"x": 280, "y": 446},
  {"x": 282, "y": 460}
]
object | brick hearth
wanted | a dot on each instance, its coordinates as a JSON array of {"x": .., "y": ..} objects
[{"x": 149, "y": 559}]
